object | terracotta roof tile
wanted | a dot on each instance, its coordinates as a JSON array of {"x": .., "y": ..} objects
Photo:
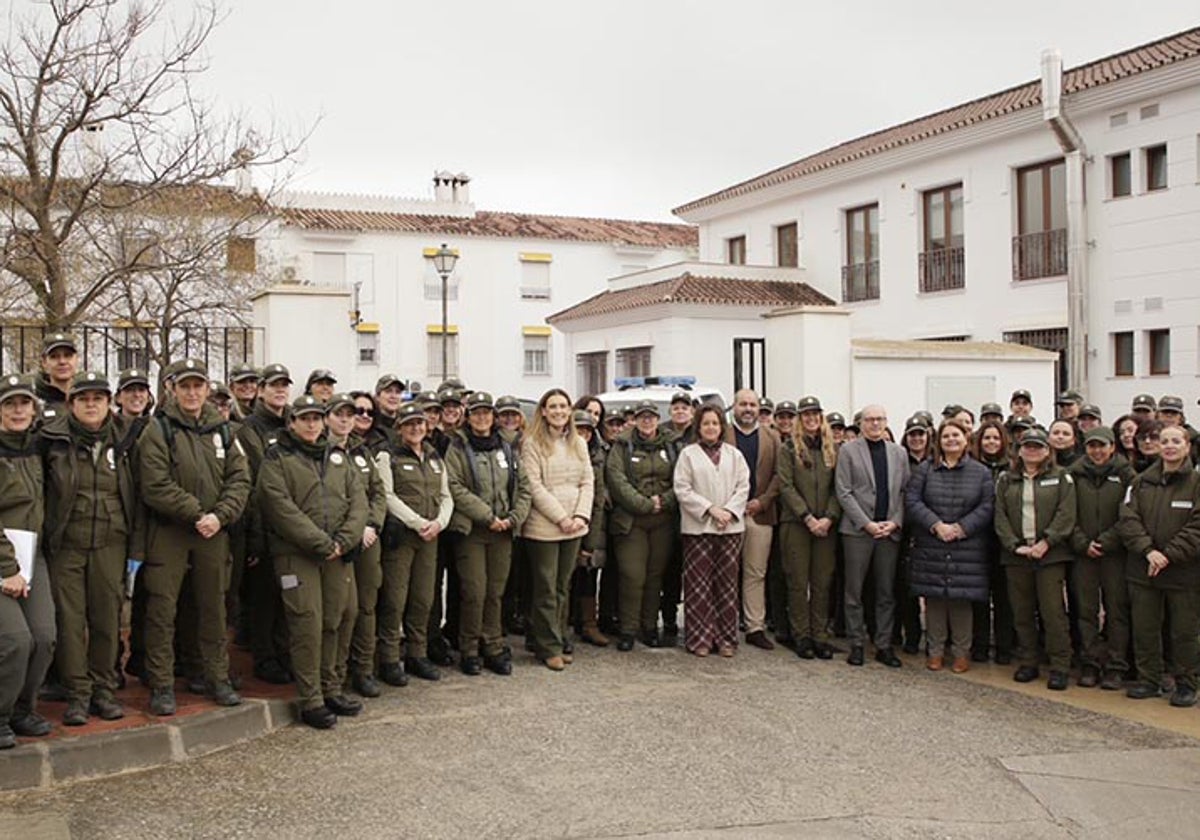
[
  {"x": 506, "y": 225},
  {"x": 1179, "y": 47},
  {"x": 688, "y": 288}
]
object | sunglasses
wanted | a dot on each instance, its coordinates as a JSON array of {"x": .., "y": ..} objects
[{"x": 364, "y": 412}]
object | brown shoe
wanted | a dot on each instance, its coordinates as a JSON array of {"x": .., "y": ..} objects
[
  {"x": 759, "y": 639},
  {"x": 961, "y": 665},
  {"x": 701, "y": 651},
  {"x": 591, "y": 632},
  {"x": 726, "y": 651},
  {"x": 935, "y": 663},
  {"x": 554, "y": 663},
  {"x": 568, "y": 658}
]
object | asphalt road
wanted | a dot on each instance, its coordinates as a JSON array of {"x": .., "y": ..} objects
[{"x": 659, "y": 743}]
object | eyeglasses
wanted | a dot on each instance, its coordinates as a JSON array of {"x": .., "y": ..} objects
[
  {"x": 874, "y": 420},
  {"x": 364, "y": 412}
]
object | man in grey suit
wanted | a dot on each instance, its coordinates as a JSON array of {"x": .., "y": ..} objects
[{"x": 869, "y": 481}]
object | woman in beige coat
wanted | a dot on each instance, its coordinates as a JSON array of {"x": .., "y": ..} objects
[
  {"x": 556, "y": 463},
  {"x": 712, "y": 484}
]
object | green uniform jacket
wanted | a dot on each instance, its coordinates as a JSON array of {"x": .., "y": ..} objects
[
  {"x": 480, "y": 482},
  {"x": 1163, "y": 512},
  {"x": 595, "y": 538},
  {"x": 70, "y": 467},
  {"x": 381, "y": 437},
  {"x": 1054, "y": 515},
  {"x": 418, "y": 484},
  {"x": 1099, "y": 492},
  {"x": 310, "y": 497},
  {"x": 54, "y": 399},
  {"x": 197, "y": 474},
  {"x": 637, "y": 470},
  {"x": 257, "y": 433},
  {"x": 805, "y": 490},
  {"x": 368, "y": 475},
  {"x": 21, "y": 493}
]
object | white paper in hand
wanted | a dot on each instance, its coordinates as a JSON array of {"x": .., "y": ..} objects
[{"x": 25, "y": 546}]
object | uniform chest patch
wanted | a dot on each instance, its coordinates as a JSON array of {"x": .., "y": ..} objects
[
  {"x": 219, "y": 445},
  {"x": 1048, "y": 482},
  {"x": 1115, "y": 478},
  {"x": 335, "y": 458},
  {"x": 361, "y": 461},
  {"x": 501, "y": 460},
  {"x": 111, "y": 456},
  {"x": 662, "y": 453},
  {"x": 1181, "y": 504}
]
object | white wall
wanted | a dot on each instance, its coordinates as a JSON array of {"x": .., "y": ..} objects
[
  {"x": 901, "y": 385},
  {"x": 808, "y": 352},
  {"x": 489, "y": 311},
  {"x": 306, "y": 329},
  {"x": 1144, "y": 246}
]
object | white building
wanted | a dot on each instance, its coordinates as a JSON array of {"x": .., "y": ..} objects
[
  {"x": 765, "y": 328},
  {"x": 362, "y": 296},
  {"x": 965, "y": 224}
]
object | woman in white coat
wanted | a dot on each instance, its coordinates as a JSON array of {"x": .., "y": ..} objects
[{"x": 712, "y": 484}]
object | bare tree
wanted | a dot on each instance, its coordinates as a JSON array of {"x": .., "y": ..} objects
[{"x": 99, "y": 124}]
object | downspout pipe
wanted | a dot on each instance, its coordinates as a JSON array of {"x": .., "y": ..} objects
[{"x": 1075, "y": 154}]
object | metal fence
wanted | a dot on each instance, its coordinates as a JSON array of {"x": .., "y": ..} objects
[{"x": 110, "y": 349}]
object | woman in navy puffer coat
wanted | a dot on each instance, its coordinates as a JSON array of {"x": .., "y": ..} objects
[{"x": 949, "y": 501}]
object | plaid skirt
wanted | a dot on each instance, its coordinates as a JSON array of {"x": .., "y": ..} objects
[{"x": 710, "y": 590}]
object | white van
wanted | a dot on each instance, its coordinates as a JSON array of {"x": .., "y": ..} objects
[{"x": 659, "y": 389}]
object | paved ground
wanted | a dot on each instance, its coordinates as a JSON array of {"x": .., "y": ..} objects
[{"x": 660, "y": 744}]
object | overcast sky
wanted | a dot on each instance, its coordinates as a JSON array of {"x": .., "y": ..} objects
[{"x": 628, "y": 108}]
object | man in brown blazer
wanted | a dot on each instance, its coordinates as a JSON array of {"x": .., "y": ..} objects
[{"x": 760, "y": 447}]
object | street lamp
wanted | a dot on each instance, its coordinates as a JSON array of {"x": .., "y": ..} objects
[{"x": 443, "y": 263}]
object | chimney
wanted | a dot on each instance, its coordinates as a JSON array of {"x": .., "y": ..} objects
[
  {"x": 443, "y": 190},
  {"x": 93, "y": 148},
  {"x": 462, "y": 190}
]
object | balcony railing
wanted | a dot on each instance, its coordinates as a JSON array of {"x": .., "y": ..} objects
[
  {"x": 860, "y": 281},
  {"x": 1040, "y": 254},
  {"x": 942, "y": 270}
]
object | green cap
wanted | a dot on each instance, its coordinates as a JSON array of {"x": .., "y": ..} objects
[
  {"x": 991, "y": 408},
  {"x": 613, "y": 414},
  {"x": 1170, "y": 403},
  {"x": 1144, "y": 402},
  {"x": 15, "y": 385},
  {"x": 274, "y": 373},
  {"x": 835, "y": 420},
  {"x": 132, "y": 376},
  {"x": 451, "y": 396},
  {"x": 243, "y": 371},
  {"x": 408, "y": 412},
  {"x": 339, "y": 401},
  {"x": 809, "y": 403},
  {"x": 645, "y": 407},
  {"x": 786, "y": 408},
  {"x": 1100, "y": 433},
  {"x": 307, "y": 404},
  {"x": 190, "y": 369},
  {"x": 681, "y": 397},
  {"x": 1089, "y": 410},
  {"x": 386, "y": 381},
  {"x": 478, "y": 399},
  {"x": 90, "y": 380},
  {"x": 584, "y": 418},
  {"x": 1035, "y": 437},
  {"x": 52, "y": 341},
  {"x": 508, "y": 403}
]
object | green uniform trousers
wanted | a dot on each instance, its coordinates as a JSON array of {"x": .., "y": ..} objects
[
  {"x": 263, "y": 611},
  {"x": 27, "y": 635},
  {"x": 314, "y": 592},
  {"x": 406, "y": 599},
  {"x": 174, "y": 552},
  {"x": 642, "y": 556},
  {"x": 1097, "y": 581},
  {"x": 808, "y": 563},
  {"x": 347, "y": 624},
  {"x": 483, "y": 559},
  {"x": 1183, "y": 611},
  {"x": 1038, "y": 591},
  {"x": 87, "y": 585},
  {"x": 551, "y": 564},
  {"x": 368, "y": 577}
]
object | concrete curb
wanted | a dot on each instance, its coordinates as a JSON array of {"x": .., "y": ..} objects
[{"x": 66, "y": 759}]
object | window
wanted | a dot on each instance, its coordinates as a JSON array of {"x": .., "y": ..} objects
[
  {"x": 787, "y": 246},
  {"x": 535, "y": 276},
  {"x": 434, "y": 353},
  {"x": 1040, "y": 246},
  {"x": 368, "y": 347},
  {"x": 537, "y": 355},
  {"x": 591, "y": 371},
  {"x": 860, "y": 274},
  {"x": 1156, "y": 168},
  {"x": 735, "y": 250},
  {"x": 942, "y": 263},
  {"x": 1159, "y": 352},
  {"x": 1122, "y": 354},
  {"x": 633, "y": 361},
  {"x": 133, "y": 357},
  {"x": 1120, "y": 175},
  {"x": 240, "y": 254},
  {"x": 1053, "y": 339}
]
